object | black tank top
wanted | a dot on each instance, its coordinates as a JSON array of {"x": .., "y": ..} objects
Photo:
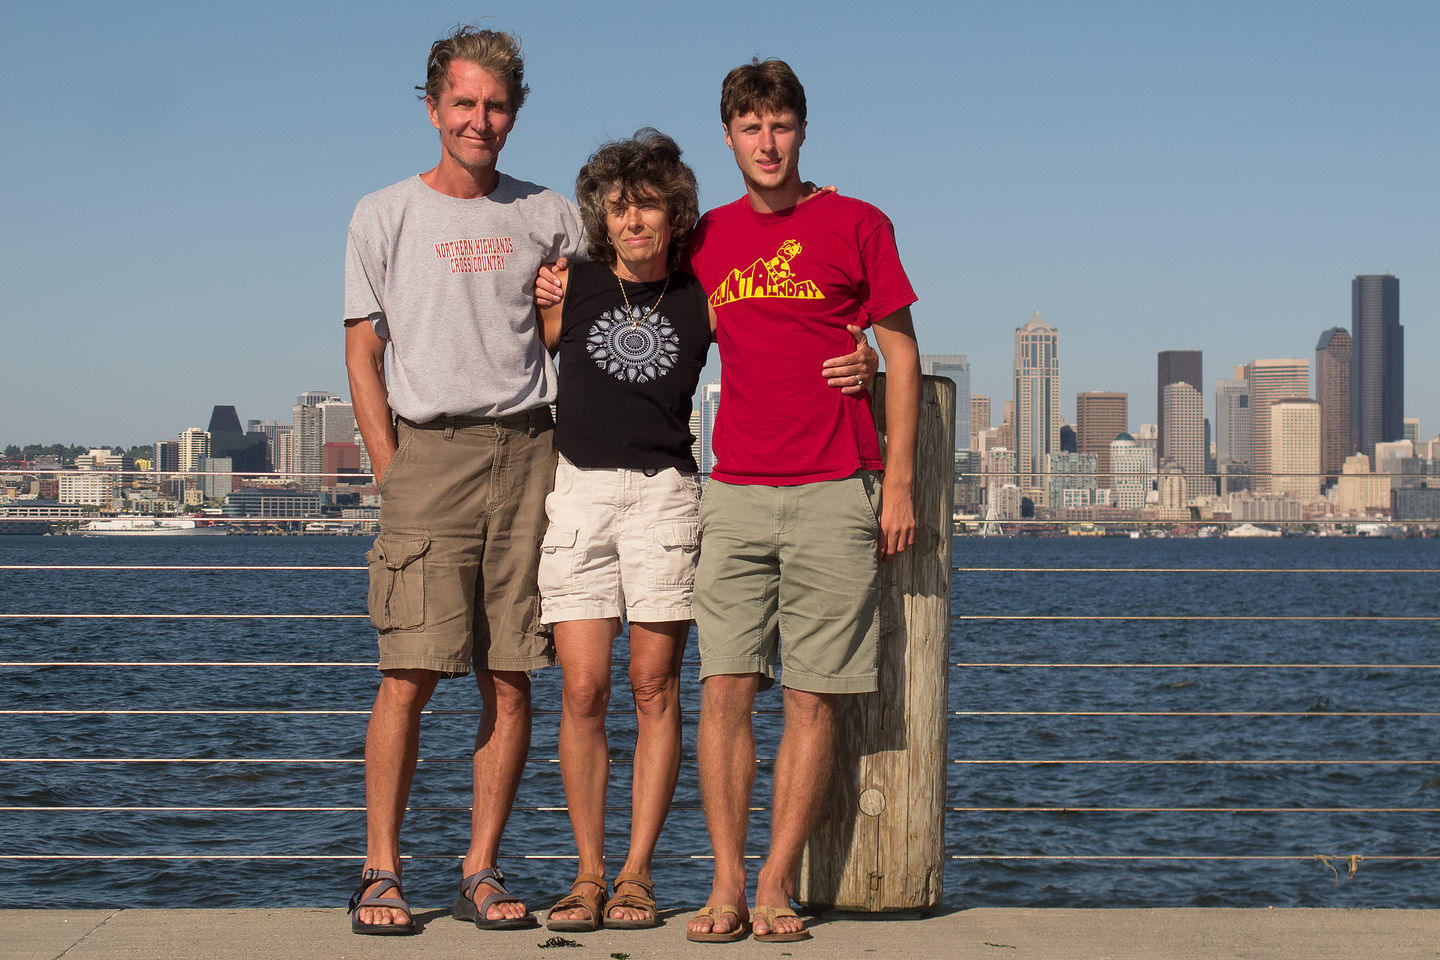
[{"x": 627, "y": 377}]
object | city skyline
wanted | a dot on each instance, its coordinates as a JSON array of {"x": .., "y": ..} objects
[{"x": 1147, "y": 178}]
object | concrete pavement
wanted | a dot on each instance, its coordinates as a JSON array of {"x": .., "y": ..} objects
[{"x": 983, "y": 934}]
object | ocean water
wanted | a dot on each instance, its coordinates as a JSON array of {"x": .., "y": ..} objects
[{"x": 1239, "y": 813}]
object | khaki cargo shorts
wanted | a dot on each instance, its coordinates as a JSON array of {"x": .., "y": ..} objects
[
  {"x": 452, "y": 573},
  {"x": 792, "y": 570}
]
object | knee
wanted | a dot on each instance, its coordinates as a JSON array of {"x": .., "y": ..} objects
[
  {"x": 407, "y": 690},
  {"x": 585, "y": 694},
  {"x": 508, "y": 693},
  {"x": 655, "y": 693}
]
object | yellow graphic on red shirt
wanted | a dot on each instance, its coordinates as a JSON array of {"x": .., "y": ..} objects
[{"x": 767, "y": 278}]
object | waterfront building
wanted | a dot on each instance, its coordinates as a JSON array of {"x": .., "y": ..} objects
[
  {"x": 1271, "y": 380},
  {"x": 1173, "y": 366},
  {"x": 1069, "y": 472},
  {"x": 1173, "y": 502},
  {"x": 979, "y": 418},
  {"x": 273, "y": 502},
  {"x": 1132, "y": 469},
  {"x": 1266, "y": 508},
  {"x": 1332, "y": 391},
  {"x": 87, "y": 487},
  {"x": 1183, "y": 434},
  {"x": 1415, "y": 503},
  {"x": 1100, "y": 417},
  {"x": 1007, "y": 501},
  {"x": 1377, "y": 362},
  {"x": 1295, "y": 448},
  {"x": 1037, "y": 417},
  {"x": 1358, "y": 491},
  {"x": 957, "y": 368}
]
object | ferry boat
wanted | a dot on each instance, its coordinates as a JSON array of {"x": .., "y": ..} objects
[
  {"x": 1250, "y": 530},
  {"x": 150, "y": 527}
]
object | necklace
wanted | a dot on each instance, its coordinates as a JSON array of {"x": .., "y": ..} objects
[{"x": 630, "y": 310}]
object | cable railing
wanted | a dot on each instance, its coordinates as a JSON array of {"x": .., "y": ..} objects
[{"x": 1029, "y": 729}]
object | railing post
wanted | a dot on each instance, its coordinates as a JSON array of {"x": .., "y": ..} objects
[{"x": 880, "y": 842}]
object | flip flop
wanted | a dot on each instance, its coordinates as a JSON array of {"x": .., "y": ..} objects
[
  {"x": 715, "y": 913},
  {"x": 465, "y": 908},
  {"x": 593, "y": 904},
  {"x": 384, "y": 881},
  {"x": 635, "y": 901},
  {"x": 771, "y": 914}
]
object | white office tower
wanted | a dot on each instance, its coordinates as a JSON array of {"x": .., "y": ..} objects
[
  {"x": 1295, "y": 448},
  {"x": 194, "y": 444},
  {"x": 1232, "y": 431},
  {"x": 1183, "y": 434}
]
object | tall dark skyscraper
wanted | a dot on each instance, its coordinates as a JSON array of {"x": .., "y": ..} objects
[
  {"x": 1332, "y": 389},
  {"x": 1377, "y": 363},
  {"x": 1175, "y": 366}
]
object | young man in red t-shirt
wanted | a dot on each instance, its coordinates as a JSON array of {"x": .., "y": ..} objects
[{"x": 796, "y": 514}]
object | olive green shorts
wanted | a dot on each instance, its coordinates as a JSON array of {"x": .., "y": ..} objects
[
  {"x": 792, "y": 570},
  {"x": 452, "y": 573}
]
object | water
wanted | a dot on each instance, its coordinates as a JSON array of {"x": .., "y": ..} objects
[{"x": 436, "y": 829}]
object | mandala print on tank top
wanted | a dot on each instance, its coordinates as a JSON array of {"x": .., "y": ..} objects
[{"x": 631, "y": 350}]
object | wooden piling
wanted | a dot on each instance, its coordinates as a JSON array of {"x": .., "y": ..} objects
[{"x": 880, "y": 843}]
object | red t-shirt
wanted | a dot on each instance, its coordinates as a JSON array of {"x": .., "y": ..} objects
[{"x": 783, "y": 287}]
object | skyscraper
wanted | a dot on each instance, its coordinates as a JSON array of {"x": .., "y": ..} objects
[
  {"x": 1037, "y": 397},
  {"x": 1295, "y": 448},
  {"x": 957, "y": 368},
  {"x": 1332, "y": 391},
  {"x": 1173, "y": 366},
  {"x": 979, "y": 418},
  {"x": 709, "y": 410},
  {"x": 1377, "y": 363},
  {"x": 1100, "y": 417},
  {"x": 1271, "y": 381},
  {"x": 309, "y": 434},
  {"x": 1182, "y": 424},
  {"x": 1232, "y": 431}
]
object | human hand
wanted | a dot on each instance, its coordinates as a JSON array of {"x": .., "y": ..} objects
[
  {"x": 854, "y": 371},
  {"x": 897, "y": 523},
  {"x": 548, "y": 288}
]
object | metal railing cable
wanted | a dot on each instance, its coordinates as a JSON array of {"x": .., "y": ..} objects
[{"x": 1009, "y": 761}]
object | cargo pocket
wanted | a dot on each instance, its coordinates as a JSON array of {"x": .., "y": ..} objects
[
  {"x": 678, "y": 553},
  {"x": 557, "y": 559},
  {"x": 397, "y": 582}
]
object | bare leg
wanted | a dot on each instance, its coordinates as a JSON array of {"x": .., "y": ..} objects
[
  {"x": 501, "y": 746},
  {"x": 655, "y": 653},
  {"x": 584, "y": 648},
  {"x": 726, "y": 748},
  {"x": 392, "y": 744},
  {"x": 802, "y": 775}
]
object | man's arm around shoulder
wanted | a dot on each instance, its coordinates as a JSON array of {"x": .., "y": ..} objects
[
  {"x": 895, "y": 336},
  {"x": 365, "y": 365}
]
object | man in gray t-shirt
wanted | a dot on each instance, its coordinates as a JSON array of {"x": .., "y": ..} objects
[{"x": 438, "y": 295}]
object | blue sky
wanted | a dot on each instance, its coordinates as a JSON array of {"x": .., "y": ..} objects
[{"x": 1148, "y": 176}]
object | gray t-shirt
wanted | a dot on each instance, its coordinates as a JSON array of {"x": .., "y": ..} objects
[{"x": 449, "y": 283}]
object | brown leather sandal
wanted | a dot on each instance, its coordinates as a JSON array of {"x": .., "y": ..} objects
[
  {"x": 635, "y": 901},
  {"x": 593, "y": 904}
]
